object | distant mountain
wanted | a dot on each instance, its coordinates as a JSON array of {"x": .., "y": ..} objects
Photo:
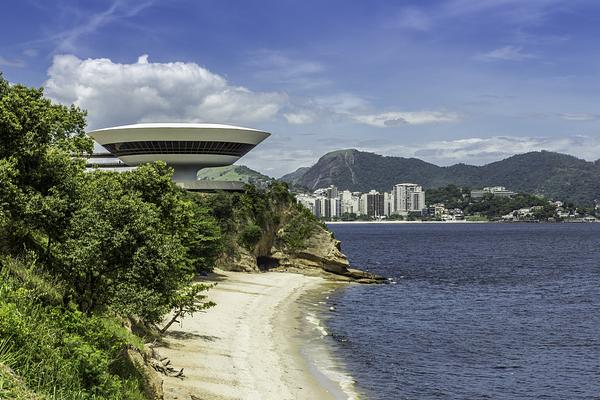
[{"x": 555, "y": 175}]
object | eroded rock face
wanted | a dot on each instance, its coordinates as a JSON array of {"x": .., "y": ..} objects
[
  {"x": 323, "y": 254},
  {"x": 320, "y": 256}
]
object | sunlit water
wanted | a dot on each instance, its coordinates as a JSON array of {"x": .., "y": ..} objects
[{"x": 479, "y": 311}]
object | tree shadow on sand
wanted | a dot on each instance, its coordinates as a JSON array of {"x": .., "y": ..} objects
[{"x": 181, "y": 335}]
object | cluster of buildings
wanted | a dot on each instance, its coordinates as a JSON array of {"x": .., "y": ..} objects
[
  {"x": 330, "y": 203},
  {"x": 496, "y": 191},
  {"x": 441, "y": 213},
  {"x": 561, "y": 213}
]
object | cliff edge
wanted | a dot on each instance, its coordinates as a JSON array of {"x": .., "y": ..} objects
[{"x": 269, "y": 230}]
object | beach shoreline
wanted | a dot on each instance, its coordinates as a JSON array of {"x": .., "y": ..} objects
[{"x": 252, "y": 344}]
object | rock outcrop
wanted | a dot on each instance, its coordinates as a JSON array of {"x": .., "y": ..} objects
[
  {"x": 320, "y": 255},
  {"x": 270, "y": 230}
]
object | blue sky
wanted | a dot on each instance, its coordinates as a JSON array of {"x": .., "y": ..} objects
[{"x": 447, "y": 81}]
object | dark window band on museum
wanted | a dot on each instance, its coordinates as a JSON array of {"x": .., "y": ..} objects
[{"x": 178, "y": 147}]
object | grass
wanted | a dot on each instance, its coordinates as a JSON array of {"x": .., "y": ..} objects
[
  {"x": 12, "y": 388},
  {"x": 49, "y": 351}
]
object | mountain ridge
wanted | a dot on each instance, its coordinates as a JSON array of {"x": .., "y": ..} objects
[{"x": 555, "y": 175}]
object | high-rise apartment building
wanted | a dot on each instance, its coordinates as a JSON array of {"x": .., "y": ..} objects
[
  {"x": 408, "y": 197},
  {"x": 349, "y": 202},
  {"x": 375, "y": 206}
]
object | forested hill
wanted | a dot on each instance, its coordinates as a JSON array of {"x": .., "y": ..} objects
[{"x": 555, "y": 175}]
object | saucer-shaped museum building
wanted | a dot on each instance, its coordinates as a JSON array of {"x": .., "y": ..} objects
[{"x": 184, "y": 146}]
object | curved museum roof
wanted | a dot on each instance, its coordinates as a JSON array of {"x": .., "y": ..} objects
[{"x": 193, "y": 144}]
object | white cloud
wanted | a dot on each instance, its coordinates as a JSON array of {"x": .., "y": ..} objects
[
  {"x": 506, "y": 53},
  {"x": 390, "y": 119},
  {"x": 144, "y": 91},
  {"x": 347, "y": 107},
  {"x": 299, "y": 118},
  {"x": 486, "y": 150},
  {"x": 579, "y": 116},
  {"x": 518, "y": 12},
  {"x": 339, "y": 107},
  {"x": 340, "y": 103},
  {"x": 279, "y": 160}
]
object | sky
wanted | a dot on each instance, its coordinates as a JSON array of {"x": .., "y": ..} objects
[{"x": 447, "y": 81}]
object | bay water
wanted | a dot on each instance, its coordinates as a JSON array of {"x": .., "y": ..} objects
[{"x": 473, "y": 311}]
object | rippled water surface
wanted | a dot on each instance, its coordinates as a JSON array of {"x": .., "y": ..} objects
[{"x": 479, "y": 311}]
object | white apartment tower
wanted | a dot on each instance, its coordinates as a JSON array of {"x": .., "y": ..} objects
[
  {"x": 350, "y": 202},
  {"x": 408, "y": 197}
]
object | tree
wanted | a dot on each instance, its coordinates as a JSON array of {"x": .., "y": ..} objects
[
  {"x": 189, "y": 301},
  {"x": 183, "y": 214},
  {"x": 118, "y": 252},
  {"x": 38, "y": 143}
]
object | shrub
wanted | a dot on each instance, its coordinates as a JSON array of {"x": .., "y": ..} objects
[
  {"x": 60, "y": 352},
  {"x": 299, "y": 228},
  {"x": 251, "y": 235}
]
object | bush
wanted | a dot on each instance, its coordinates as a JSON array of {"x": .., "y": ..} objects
[
  {"x": 60, "y": 352},
  {"x": 299, "y": 228},
  {"x": 251, "y": 235}
]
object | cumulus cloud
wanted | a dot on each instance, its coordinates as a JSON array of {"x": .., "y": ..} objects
[
  {"x": 506, "y": 53},
  {"x": 144, "y": 91},
  {"x": 390, "y": 119}
]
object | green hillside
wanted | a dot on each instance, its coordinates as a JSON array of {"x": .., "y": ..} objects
[
  {"x": 236, "y": 173},
  {"x": 554, "y": 175}
]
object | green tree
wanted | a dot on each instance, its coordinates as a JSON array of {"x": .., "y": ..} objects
[
  {"x": 40, "y": 143},
  {"x": 119, "y": 252}
]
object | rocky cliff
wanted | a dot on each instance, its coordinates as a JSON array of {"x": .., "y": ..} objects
[{"x": 270, "y": 231}]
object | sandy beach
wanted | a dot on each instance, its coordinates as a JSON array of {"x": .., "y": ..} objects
[{"x": 247, "y": 347}]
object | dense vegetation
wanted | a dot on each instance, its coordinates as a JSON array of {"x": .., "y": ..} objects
[
  {"x": 90, "y": 259},
  {"x": 82, "y": 254},
  {"x": 271, "y": 215},
  {"x": 556, "y": 176}
]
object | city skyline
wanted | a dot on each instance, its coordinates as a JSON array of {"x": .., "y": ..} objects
[
  {"x": 330, "y": 202},
  {"x": 445, "y": 81}
]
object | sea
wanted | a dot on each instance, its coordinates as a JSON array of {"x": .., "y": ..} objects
[{"x": 471, "y": 311}]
